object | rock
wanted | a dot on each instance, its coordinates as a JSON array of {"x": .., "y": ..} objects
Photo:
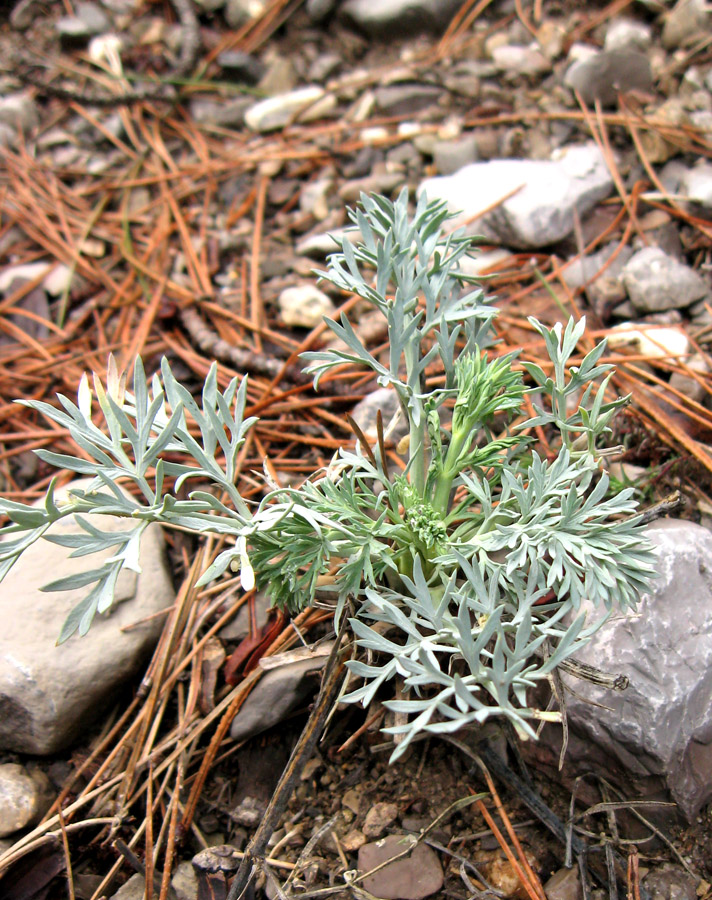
[
  {"x": 19, "y": 111},
  {"x": 241, "y": 66},
  {"x": 584, "y": 270},
  {"x": 378, "y": 18},
  {"x": 688, "y": 385},
  {"x": 365, "y": 413},
  {"x": 23, "y": 798},
  {"x": 313, "y": 198},
  {"x": 659, "y": 730},
  {"x": 304, "y": 306},
  {"x": 353, "y": 840},
  {"x": 320, "y": 10},
  {"x": 685, "y": 22},
  {"x": 406, "y": 98},
  {"x": 516, "y": 59},
  {"x": 225, "y": 113},
  {"x": 696, "y": 184},
  {"x": 670, "y": 114},
  {"x": 564, "y": 885},
  {"x": 183, "y": 881},
  {"x": 378, "y": 818},
  {"x": 651, "y": 341},
  {"x": 280, "y": 77},
  {"x": 249, "y": 812},
  {"x": 449, "y": 156},
  {"x": 502, "y": 875},
  {"x": 411, "y": 878},
  {"x": 304, "y": 104},
  {"x": 72, "y": 32},
  {"x": 623, "y": 34},
  {"x": 93, "y": 16},
  {"x": 605, "y": 75},
  {"x": 279, "y": 691},
  {"x": 545, "y": 195},
  {"x": 240, "y": 12},
  {"x": 656, "y": 282},
  {"x": 669, "y": 882},
  {"x": 48, "y": 693},
  {"x": 133, "y": 889}
]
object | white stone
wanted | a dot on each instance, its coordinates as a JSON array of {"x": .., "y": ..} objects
[
  {"x": 623, "y": 33},
  {"x": 304, "y": 104},
  {"x": 19, "y": 799},
  {"x": 304, "y": 306},
  {"x": 651, "y": 341},
  {"x": 696, "y": 184},
  {"x": 49, "y": 693},
  {"x": 656, "y": 282},
  {"x": 534, "y": 202}
]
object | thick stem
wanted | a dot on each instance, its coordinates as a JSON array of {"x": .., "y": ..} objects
[{"x": 443, "y": 486}]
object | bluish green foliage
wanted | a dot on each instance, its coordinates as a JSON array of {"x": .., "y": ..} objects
[{"x": 465, "y": 574}]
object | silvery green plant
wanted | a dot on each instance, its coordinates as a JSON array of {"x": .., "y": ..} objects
[{"x": 464, "y": 573}]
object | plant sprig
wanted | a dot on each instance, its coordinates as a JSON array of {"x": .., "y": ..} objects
[{"x": 466, "y": 573}]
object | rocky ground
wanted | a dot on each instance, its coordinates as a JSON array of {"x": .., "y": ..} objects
[{"x": 172, "y": 174}]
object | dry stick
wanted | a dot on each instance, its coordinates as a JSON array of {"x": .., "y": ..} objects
[
  {"x": 257, "y": 310},
  {"x": 301, "y": 754}
]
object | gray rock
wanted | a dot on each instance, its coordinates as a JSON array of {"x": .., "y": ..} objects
[
  {"x": 450, "y": 156},
  {"x": 226, "y": 113},
  {"x": 411, "y": 878},
  {"x": 304, "y": 104},
  {"x": 239, "y": 12},
  {"x": 669, "y": 882},
  {"x": 583, "y": 270},
  {"x": 603, "y": 76},
  {"x": 684, "y": 23},
  {"x": 405, "y": 99},
  {"x": 659, "y": 730},
  {"x": 72, "y": 32},
  {"x": 656, "y": 282},
  {"x": 365, "y": 413},
  {"x": 564, "y": 885},
  {"x": 23, "y": 14},
  {"x": 133, "y": 889},
  {"x": 320, "y": 10},
  {"x": 278, "y": 692},
  {"x": 324, "y": 66},
  {"x": 378, "y": 18},
  {"x": 240, "y": 65},
  {"x": 622, "y": 34},
  {"x": 378, "y": 818},
  {"x": 93, "y": 16},
  {"x": 19, "y": 111},
  {"x": 545, "y": 195},
  {"x": 184, "y": 882},
  {"x": 21, "y": 799},
  {"x": 518, "y": 59},
  {"x": 304, "y": 306},
  {"x": 49, "y": 693},
  {"x": 210, "y": 5}
]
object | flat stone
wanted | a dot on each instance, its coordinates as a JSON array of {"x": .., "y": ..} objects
[
  {"x": 651, "y": 341},
  {"x": 378, "y": 818},
  {"x": 304, "y": 306},
  {"x": 519, "y": 59},
  {"x": 537, "y": 199},
  {"x": 279, "y": 691},
  {"x": 19, "y": 111},
  {"x": 405, "y": 99},
  {"x": 603, "y": 76},
  {"x": 696, "y": 184},
  {"x": 241, "y": 66},
  {"x": 304, "y": 104},
  {"x": 378, "y": 18},
  {"x": 657, "y": 732},
  {"x": 670, "y": 882},
  {"x": 20, "y": 799},
  {"x": 450, "y": 156},
  {"x": 411, "y": 878},
  {"x": 240, "y": 12},
  {"x": 685, "y": 22},
  {"x": 564, "y": 885},
  {"x": 49, "y": 694},
  {"x": 656, "y": 282}
]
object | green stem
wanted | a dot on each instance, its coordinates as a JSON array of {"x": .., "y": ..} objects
[{"x": 443, "y": 486}]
